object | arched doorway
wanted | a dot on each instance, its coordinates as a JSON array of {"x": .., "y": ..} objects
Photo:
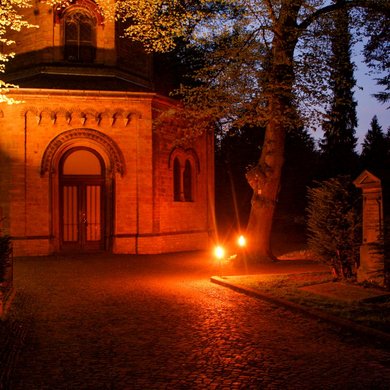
[
  {"x": 82, "y": 200},
  {"x": 72, "y": 181}
]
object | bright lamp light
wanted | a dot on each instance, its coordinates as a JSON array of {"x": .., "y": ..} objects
[
  {"x": 241, "y": 241},
  {"x": 219, "y": 252}
]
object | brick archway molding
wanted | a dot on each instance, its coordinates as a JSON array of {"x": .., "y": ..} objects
[{"x": 103, "y": 144}]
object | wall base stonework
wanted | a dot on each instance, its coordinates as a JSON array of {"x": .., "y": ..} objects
[
  {"x": 173, "y": 242},
  {"x": 32, "y": 247},
  {"x": 161, "y": 243},
  {"x": 124, "y": 245},
  {"x": 167, "y": 243}
]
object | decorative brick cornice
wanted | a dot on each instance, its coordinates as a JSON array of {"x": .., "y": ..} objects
[{"x": 87, "y": 117}]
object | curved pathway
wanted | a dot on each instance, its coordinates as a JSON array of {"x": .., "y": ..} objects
[{"x": 156, "y": 322}]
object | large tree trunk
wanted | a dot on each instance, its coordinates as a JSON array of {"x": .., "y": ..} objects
[
  {"x": 264, "y": 178},
  {"x": 265, "y": 182}
]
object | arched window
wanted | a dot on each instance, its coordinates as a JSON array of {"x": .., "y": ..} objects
[
  {"x": 79, "y": 32},
  {"x": 187, "y": 181},
  {"x": 184, "y": 165},
  {"x": 176, "y": 180}
]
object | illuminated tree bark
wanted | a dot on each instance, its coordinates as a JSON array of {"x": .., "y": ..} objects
[{"x": 264, "y": 178}]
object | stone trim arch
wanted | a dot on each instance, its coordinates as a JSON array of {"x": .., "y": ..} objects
[
  {"x": 184, "y": 181},
  {"x": 88, "y": 5},
  {"x": 184, "y": 154},
  {"x": 117, "y": 161}
]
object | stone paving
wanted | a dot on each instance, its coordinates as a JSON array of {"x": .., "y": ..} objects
[{"x": 156, "y": 322}]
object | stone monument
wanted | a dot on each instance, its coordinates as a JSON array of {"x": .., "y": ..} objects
[{"x": 372, "y": 257}]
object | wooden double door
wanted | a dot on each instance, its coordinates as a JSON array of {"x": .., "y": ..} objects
[{"x": 82, "y": 202}]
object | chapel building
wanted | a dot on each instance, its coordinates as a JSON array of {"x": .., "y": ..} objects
[{"x": 84, "y": 163}]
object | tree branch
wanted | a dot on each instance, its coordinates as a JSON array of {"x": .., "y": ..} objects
[{"x": 375, "y": 5}]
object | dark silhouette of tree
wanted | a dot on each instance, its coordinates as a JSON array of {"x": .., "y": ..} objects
[
  {"x": 377, "y": 49},
  {"x": 176, "y": 67},
  {"x": 334, "y": 224},
  {"x": 299, "y": 170},
  {"x": 236, "y": 152},
  {"x": 387, "y": 140},
  {"x": 339, "y": 142},
  {"x": 375, "y": 151}
]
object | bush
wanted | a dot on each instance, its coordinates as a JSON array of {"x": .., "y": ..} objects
[
  {"x": 5, "y": 255},
  {"x": 334, "y": 224}
]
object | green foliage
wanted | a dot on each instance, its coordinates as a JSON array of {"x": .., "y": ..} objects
[
  {"x": 5, "y": 255},
  {"x": 334, "y": 224},
  {"x": 11, "y": 19}
]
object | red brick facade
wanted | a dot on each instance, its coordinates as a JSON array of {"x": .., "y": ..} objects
[{"x": 136, "y": 204}]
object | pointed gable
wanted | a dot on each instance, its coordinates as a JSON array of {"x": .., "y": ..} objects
[{"x": 367, "y": 180}]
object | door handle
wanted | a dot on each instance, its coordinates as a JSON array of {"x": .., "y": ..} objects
[{"x": 84, "y": 218}]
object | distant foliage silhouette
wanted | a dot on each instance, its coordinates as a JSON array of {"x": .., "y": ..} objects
[
  {"x": 376, "y": 147},
  {"x": 334, "y": 225}
]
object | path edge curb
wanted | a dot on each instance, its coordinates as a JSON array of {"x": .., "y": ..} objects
[{"x": 362, "y": 330}]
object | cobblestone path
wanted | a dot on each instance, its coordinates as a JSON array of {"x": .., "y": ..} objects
[{"x": 156, "y": 322}]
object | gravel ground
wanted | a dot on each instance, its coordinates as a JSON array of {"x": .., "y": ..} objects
[{"x": 156, "y": 322}]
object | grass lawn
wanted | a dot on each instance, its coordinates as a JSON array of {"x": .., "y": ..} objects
[{"x": 373, "y": 314}]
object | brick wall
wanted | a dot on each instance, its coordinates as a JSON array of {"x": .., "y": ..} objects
[{"x": 141, "y": 214}]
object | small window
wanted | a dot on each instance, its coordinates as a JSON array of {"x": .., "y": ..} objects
[
  {"x": 79, "y": 37},
  {"x": 187, "y": 181}
]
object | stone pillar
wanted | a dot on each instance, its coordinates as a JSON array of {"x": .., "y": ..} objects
[{"x": 372, "y": 261}]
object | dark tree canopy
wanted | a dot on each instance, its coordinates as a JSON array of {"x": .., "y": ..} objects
[
  {"x": 339, "y": 142},
  {"x": 377, "y": 48},
  {"x": 376, "y": 148}
]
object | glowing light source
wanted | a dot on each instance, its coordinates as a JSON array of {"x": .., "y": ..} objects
[
  {"x": 219, "y": 252},
  {"x": 241, "y": 241}
]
